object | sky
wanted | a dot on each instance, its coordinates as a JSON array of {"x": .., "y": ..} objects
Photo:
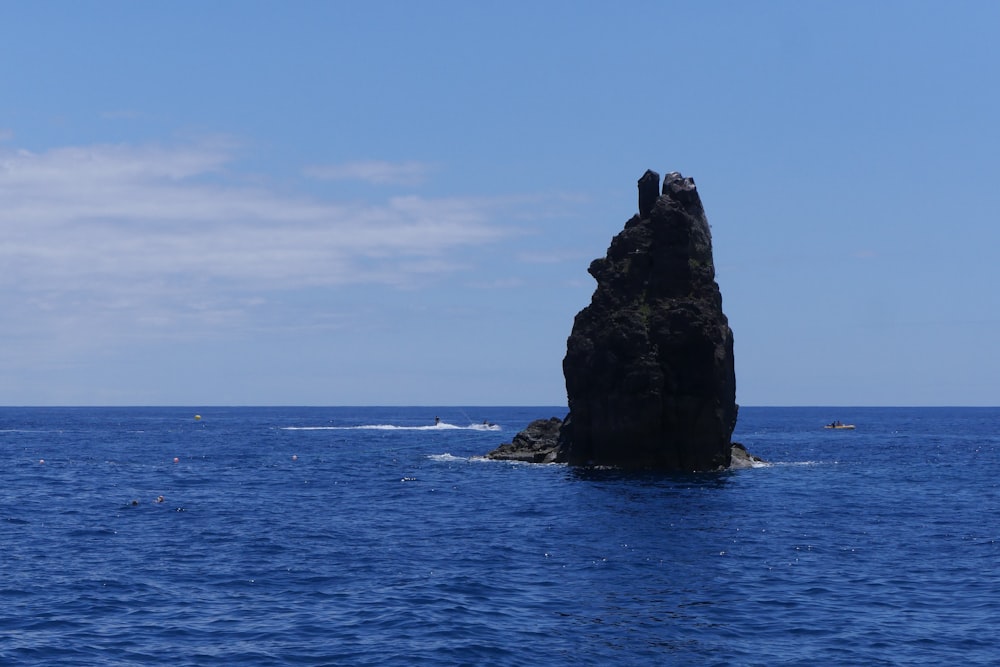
[{"x": 395, "y": 203}]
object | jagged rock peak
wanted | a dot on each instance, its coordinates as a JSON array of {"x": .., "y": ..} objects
[
  {"x": 684, "y": 191},
  {"x": 649, "y": 192},
  {"x": 676, "y": 182}
]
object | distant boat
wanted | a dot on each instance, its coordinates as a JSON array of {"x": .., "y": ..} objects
[{"x": 839, "y": 425}]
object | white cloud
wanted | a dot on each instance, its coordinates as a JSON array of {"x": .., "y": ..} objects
[
  {"x": 372, "y": 171},
  {"x": 157, "y": 238}
]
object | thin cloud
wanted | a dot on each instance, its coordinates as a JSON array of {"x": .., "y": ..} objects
[
  {"x": 372, "y": 171},
  {"x": 156, "y": 237}
]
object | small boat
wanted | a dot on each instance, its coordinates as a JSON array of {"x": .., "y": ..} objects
[{"x": 840, "y": 425}]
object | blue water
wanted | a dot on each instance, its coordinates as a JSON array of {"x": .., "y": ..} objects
[{"x": 293, "y": 536}]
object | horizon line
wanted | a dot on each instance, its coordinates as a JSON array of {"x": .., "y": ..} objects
[{"x": 459, "y": 406}]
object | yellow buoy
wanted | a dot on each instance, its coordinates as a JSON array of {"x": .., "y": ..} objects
[{"x": 197, "y": 418}]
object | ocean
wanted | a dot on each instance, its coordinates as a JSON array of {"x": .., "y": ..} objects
[{"x": 371, "y": 536}]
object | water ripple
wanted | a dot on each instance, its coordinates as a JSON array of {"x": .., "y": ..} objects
[{"x": 874, "y": 548}]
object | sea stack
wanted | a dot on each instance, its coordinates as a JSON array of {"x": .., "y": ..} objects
[
  {"x": 649, "y": 367},
  {"x": 650, "y": 376}
]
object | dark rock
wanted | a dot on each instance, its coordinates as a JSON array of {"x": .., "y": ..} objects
[
  {"x": 741, "y": 458},
  {"x": 649, "y": 367},
  {"x": 649, "y": 191},
  {"x": 650, "y": 377},
  {"x": 535, "y": 444}
]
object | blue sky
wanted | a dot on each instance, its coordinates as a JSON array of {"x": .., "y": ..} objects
[{"x": 329, "y": 203}]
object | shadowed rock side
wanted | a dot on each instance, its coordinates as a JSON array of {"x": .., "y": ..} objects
[{"x": 650, "y": 378}]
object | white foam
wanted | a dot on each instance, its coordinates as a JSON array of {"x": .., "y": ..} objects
[
  {"x": 805, "y": 463},
  {"x": 445, "y": 457},
  {"x": 443, "y": 426},
  {"x": 484, "y": 427},
  {"x": 513, "y": 462},
  {"x": 773, "y": 464}
]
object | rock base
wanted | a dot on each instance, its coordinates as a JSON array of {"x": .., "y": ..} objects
[{"x": 540, "y": 443}]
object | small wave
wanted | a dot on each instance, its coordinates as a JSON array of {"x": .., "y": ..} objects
[
  {"x": 445, "y": 457},
  {"x": 800, "y": 463},
  {"x": 30, "y": 430},
  {"x": 443, "y": 426},
  {"x": 510, "y": 462}
]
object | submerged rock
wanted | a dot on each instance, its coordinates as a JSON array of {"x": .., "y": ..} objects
[{"x": 649, "y": 368}]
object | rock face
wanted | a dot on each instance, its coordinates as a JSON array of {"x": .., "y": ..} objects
[{"x": 649, "y": 369}]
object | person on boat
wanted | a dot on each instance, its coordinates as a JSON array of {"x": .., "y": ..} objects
[{"x": 437, "y": 420}]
